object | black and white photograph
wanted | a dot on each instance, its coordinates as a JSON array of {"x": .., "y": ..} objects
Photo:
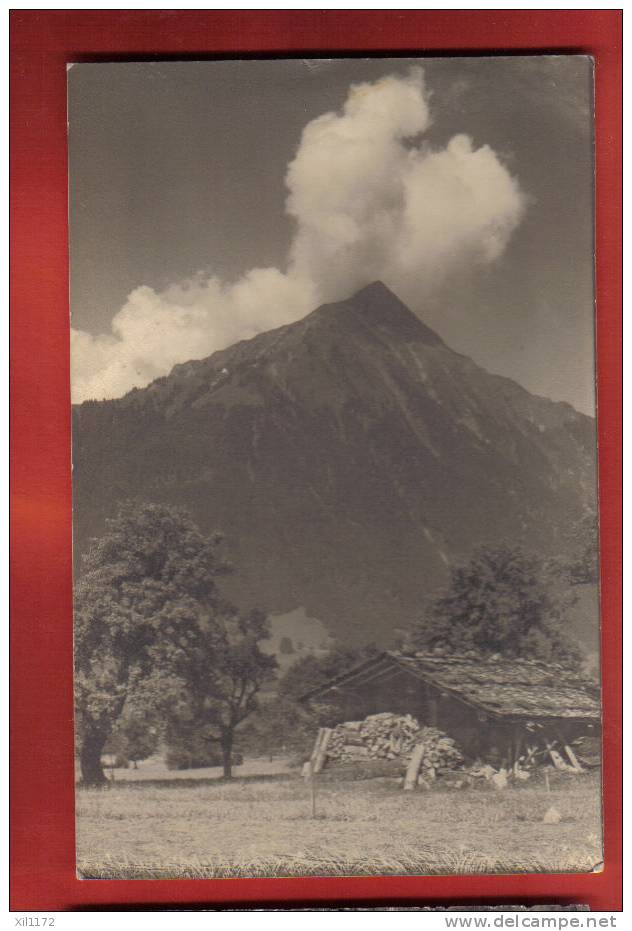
[{"x": 335, "y": 533}]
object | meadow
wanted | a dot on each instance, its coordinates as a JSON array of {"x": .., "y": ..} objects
[{"x": 262, "y": 824}]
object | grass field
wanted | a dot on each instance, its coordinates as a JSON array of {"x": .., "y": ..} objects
[{"x": 262, "y": 825}]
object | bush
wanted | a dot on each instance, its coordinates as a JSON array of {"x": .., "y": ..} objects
[{"x": 182, "y": 758}]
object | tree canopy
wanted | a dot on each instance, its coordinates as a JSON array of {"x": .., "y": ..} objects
[
  {"x": 311, "y": 671},
  {"x": 222, "y": 670},
  {"x": 144, "y": 585},
  {"x": 500, "y": 601}
]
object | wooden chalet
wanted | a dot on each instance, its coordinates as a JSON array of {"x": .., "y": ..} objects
[{"x": 495, "y": 708}]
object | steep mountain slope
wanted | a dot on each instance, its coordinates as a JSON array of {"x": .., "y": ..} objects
[{"x": 348, "y": 458}]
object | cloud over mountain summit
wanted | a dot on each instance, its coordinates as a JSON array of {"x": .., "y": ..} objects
[{"x": 369, "y": 199}]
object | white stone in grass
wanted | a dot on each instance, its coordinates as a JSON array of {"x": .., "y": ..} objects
[{"x": 552, "y": 816}]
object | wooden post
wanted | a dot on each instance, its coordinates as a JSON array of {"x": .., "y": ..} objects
[
  {"x": 317, "y": 743},
  {"x": 308, "y": 775},
  {"x": 316, "y": 761},
  {"x": 412, "y": 771},
  {"x": 312, "y": 782},
  {"x": 575, "y": 762},
  {"x": 556, "y": 759},
  {"x": 320, "y": 755},
  {"x": 569, "y": 753},
  {"x": 308, "y": 767}
]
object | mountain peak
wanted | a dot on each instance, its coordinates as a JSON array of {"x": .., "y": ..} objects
[
  {"x": 380, "y": 307},
  {"x": 375, "y": 290}
]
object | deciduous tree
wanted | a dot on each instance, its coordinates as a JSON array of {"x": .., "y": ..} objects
[
  {"x": 311, "y": 671},
  {"x": 222, "y": 670},
  {"x": 144, "y": 585},
  {"x": 501, "y": 601}
]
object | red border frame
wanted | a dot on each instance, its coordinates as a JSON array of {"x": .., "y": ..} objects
[{"x": 42, "y": 804}]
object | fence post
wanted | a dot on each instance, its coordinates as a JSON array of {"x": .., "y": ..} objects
[
  {"x": 321, "y": 752},
  {"x": 412, "y": 772}
]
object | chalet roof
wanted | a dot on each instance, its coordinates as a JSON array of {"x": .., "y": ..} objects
[{"x": 502, "y": 687}]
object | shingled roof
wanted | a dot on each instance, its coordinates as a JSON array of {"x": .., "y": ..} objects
[{"x": 502, "y": 687}]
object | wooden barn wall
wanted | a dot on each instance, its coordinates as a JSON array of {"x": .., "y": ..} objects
[{"x": 399, "y": 692}]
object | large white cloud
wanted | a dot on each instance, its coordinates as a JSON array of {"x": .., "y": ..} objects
[
  {"x": 370, "y": 200},
  {"x": 189, "y": 320}
]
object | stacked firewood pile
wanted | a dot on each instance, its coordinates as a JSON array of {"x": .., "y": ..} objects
[
  {"x": 397, "y": 745},
  {"x": 392, "y": 737}
]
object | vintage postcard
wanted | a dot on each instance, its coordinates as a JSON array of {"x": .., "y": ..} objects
[{"x": 334, "y": 467}]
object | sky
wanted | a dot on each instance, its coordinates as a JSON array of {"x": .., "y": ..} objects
[{"x": 213, "y": 200}]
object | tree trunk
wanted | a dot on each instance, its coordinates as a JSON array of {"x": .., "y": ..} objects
[
  {"x": 90, "y": 758},
  {"x": 227, "y": 754}
]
